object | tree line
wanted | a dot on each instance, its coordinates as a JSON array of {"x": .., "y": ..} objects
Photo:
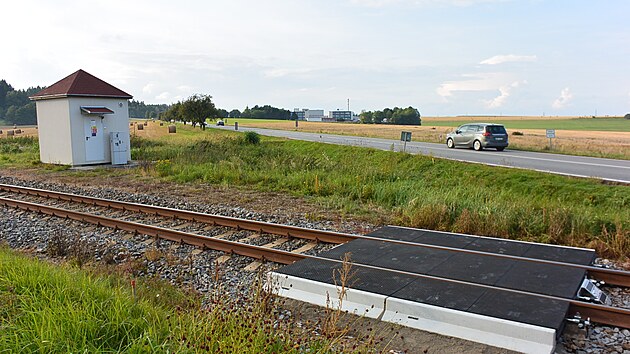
[
  {"x": 403, "y": 116},
  {"x": 15, "y": 107}
]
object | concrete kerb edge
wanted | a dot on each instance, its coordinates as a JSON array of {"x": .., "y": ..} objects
[{"x": 488, "y": 330}]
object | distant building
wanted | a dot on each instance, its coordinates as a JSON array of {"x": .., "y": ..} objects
[
  {"x": 343, "y": 116},
  {"x": 299, "y": 113},
  {"x": 309, "y": 115},
  {"x": 83, "y": 120}
]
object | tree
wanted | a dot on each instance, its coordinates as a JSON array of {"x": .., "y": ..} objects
[
  {"x": 406, "y": 116},
  {"x": 266, "y": 112},
  {"x": 197, "y": 108},
  {"x": 222, "y": 113},
  {"x": 366, "y": 117},
  {"x": 235, "y": 113},
  {"x": 378, "y": 117},
  {"x": 172, "y": 113},
  {"x": 4, "y": 89}
]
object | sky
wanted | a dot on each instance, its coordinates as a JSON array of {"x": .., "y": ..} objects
[{"x": 444, "y": 57}]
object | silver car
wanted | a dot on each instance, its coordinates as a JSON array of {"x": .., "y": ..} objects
[{"x": 478, "y": 136}]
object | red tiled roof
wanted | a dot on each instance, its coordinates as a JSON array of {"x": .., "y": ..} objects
[
  {"x": 96, "y": 110},
  {"x": 82, "y": 84}
]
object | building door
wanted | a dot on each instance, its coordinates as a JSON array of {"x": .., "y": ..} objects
[{"x": 94, "y": 141}]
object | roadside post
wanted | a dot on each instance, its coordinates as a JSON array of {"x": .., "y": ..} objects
[
  {"x": 235, "y": 125},
  {"x": 551, "y": 134},
  {"x": 405, "y": 137}
]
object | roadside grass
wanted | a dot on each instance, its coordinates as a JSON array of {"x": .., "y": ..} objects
[
  {"x": 409, "y": 190},
  {"x": 53, "y": 309}
]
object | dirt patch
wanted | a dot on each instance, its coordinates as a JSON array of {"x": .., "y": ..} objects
[{"x": 388, "y": 337}]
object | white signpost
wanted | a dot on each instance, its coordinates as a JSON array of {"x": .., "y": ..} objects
[{"x": 551, "y": 134}]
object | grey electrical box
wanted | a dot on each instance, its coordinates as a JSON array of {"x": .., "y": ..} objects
[{"x": 119, "y": 143}]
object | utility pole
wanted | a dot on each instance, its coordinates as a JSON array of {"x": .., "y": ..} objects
[{"x": 348, "y": 104}]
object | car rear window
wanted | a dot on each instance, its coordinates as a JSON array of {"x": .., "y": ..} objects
[{"x": 496, "y": 129}]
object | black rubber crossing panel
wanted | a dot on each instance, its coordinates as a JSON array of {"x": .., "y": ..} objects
[
  {"x": 522, "y": 308},
  {"x": 488, "y": 244},
  {"x": 412, "y": 259},
  {"x": 440, "y": 293},
  {"x": 560, "y": 281},
  {"x": 543, "y": 279},
  {"x": 508, "y": 247},
  {"x": 473, "y": 268},
  {"x": 372, "y": 280},
  {"x": 561, "y": 254},
  {"x": 361, "y": 251}
]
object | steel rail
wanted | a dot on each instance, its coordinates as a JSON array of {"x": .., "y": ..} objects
[
  {"x": 598, "y": 313},
  {"x": 609, "y": 276},
  {"x": 243, "y": 249},
  {"x": 216, "y": 220}
]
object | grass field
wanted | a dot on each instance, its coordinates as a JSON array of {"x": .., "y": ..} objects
[{"x": 50, "y": 308}]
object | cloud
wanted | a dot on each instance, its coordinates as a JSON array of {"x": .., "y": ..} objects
[
  {"x": 504, "y": 93},
  {"x": 565, "y": 97},
  {"x": 163, "y": 96},
  {"x": 282, "y": 72},
  {"x": 381, "y": 3},
  {"x": 148, "y": 88},
  {"x": 500, "y": 59},
  {"x": 477, "y": 82}
]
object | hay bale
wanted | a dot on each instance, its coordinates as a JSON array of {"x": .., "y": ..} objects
[
  {"x": 161, "y": 124},
  {"x": 0, "y": 131},
  {"x": 145, "y": 124},
  {"x": 10, "y": 133},
  {"x": 140, "y": 126},
  {"x": 18, "y": 131},
  {"x": 172, "y": 129}
]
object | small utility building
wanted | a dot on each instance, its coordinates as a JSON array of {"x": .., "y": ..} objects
[{"x": 83, "y": 120}]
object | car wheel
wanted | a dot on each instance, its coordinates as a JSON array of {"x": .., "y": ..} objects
[
  {"x": 477, "y": 145},
  {"x": 449, "y": 143},
  {"x": 500, "y": 148}
]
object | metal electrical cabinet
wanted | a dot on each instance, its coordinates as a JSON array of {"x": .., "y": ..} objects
[{"x": 119, "y": 143}]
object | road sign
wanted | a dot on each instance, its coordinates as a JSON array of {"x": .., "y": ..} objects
[
  {"x": 405, "y": 136},
  {"x": 551, "y": 134}
]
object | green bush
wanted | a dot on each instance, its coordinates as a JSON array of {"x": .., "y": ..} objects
[{"x": 251, "y": 138}]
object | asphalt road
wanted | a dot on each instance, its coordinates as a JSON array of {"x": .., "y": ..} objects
[{"x": 578, "y": 166}]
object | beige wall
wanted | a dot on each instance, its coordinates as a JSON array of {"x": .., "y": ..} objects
[
  {"x": 53, "y": 124},
  {"x": 62, "y": 131}
]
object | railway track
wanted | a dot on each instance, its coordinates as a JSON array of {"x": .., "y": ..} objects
[{"x": 126, "y": 216}]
